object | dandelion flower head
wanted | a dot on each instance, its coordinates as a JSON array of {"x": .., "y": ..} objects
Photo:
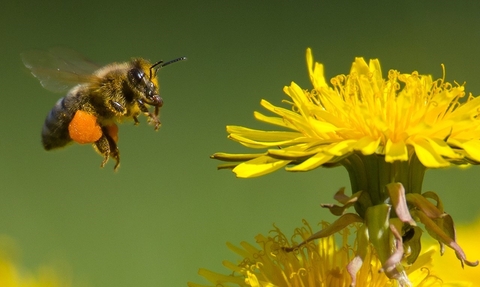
[{"x": 361, "y": 112}]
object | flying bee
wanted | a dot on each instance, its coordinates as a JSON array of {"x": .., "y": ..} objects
[{"x": 98, "y": 98}]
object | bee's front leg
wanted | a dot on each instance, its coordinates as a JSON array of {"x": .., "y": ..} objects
[
  {"x": 151, "y": 117},
  {"x": 135, "y": 120}
]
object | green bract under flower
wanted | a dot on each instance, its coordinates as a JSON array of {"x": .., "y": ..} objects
[{"x": 362, "y": 112}]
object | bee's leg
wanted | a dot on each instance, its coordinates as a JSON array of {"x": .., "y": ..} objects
[
  {"x": 135, "y": 119},
  {"x": 151, "y": 117},
  {"x": 103, "y": 147},
  {"x": 114, "y": 152},
  {"x": 107, "y": 147}
]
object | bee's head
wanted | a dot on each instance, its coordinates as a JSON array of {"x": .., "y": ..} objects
[
  {"x": 143, "y": 78},
  {"x": 144, "y": 83}
]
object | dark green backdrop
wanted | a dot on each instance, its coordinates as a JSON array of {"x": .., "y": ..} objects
[{"x": 168, "y": 211}]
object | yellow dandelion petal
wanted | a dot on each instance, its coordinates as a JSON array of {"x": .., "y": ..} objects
[
  {"x": 315, "y": 70},
  {"x": 443, "y": 149},
  {"x": 292, "y": 152},
  {"x": 325, "y": 127},
  {"x": 234, "y": 156},
  {"x": 367, "y": 145},
  {"x": 268, "y": 142},
  {"x": 467, "y": 111},
  {"x": 471, "y": 147},
  {"x": 294, "y": 119},
  {"x": 261, "y": 136},
  {"x": 270, "y": 120},
  {"x": 259, "y": 166},
  {"x": 396, "y": 151},
  {"x": 311, "y": 163},
  {"x": 427, "y": 154}
]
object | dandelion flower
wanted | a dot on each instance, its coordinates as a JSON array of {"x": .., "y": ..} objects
[
  {"x": 316, "y": 264},
  {"x": 386, "y": 133},
  {"x": 361, "y": 113}
]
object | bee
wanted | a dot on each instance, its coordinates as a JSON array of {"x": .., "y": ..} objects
[{"x": 98, "y": 98}]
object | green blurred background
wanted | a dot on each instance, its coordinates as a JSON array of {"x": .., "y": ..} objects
[{"x": 168, "y": 211}]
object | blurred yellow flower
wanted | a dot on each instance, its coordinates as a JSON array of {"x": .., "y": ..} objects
[
  {"x": 320, "y": 263},
  {"x": 361, "y": 112},
  {"x": 13, "y": 275}
]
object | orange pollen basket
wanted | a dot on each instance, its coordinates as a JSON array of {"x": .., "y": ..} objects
[{"x": 84, "y": 128}]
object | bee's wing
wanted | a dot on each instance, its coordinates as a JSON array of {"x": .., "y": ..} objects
[{"x": 58, "y": 69}]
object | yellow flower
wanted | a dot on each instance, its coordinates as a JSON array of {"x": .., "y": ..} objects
[
  {"x": 362, "y": 113},
  {"x": 386, "y": 133},
  {"x": 12, "y": 275},
  {"x": 320, "y": 263}
]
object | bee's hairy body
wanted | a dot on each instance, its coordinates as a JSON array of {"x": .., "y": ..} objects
[
  {"x": 99, "y": 97},
  {"x": 109, "y": 98}
]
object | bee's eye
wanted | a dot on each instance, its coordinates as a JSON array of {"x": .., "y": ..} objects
[{"x": 135, "y": 76}]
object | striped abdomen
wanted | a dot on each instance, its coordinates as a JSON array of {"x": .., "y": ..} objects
[{"x": 55, "y": 129}]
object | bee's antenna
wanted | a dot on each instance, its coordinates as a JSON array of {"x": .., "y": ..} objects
[
  {"x": 161, "y": 64},
  {"x": 171, "y": 62},
  {"x": 153, "y": 66}
]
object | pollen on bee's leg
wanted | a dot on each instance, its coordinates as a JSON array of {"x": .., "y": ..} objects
[{"x": 84, "y": 128}]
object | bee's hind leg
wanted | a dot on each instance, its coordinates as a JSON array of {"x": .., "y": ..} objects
[{"x": 107, "y": 147}]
